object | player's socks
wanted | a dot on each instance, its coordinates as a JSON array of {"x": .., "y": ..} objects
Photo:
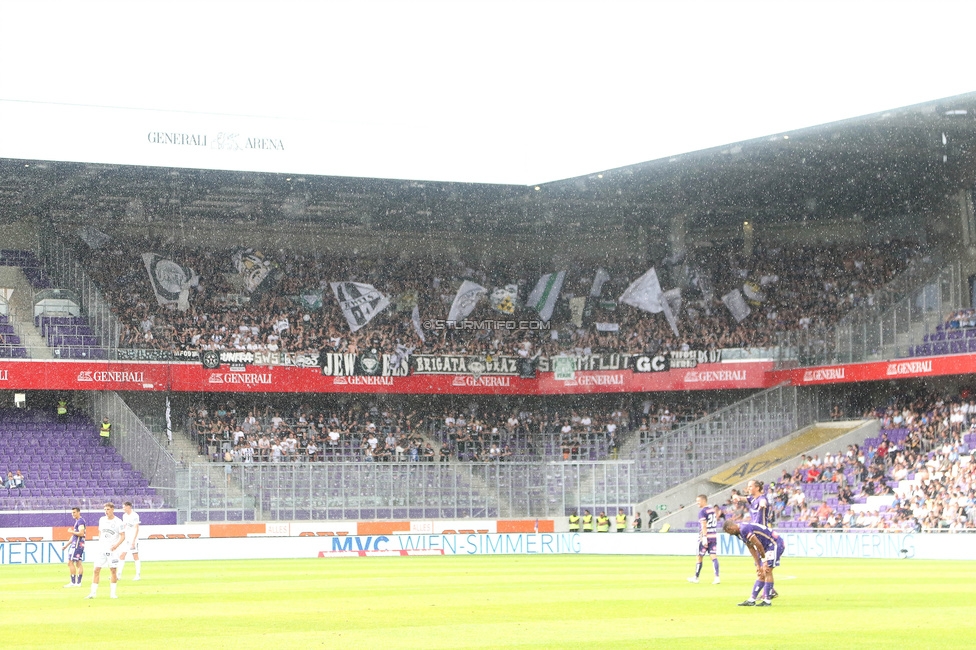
[
  {"x": 715, "y": 566},
  {"x": 79, "y": 579},
  {"x": 756, "y": 589},
  {"x": 118, "y": 572},
  {"x": 698, "y": 569},
  {"x": 138, "y": 568},
  {"x": 767, "y": 589},
  {"x": 112, "y": 590},
  {"x": 94, "y": 590}
]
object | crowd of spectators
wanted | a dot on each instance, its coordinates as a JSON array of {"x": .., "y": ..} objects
[
  {"x": 799, "y": 288},
  {"x": 920, "y": 466},
  {"x": 378, "y": 432}
]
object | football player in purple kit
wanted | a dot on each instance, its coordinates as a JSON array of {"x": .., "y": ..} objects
[
  {"x": 766, "y": 548},
  {"x": 76, "y": 549},
  {"x": 707, "y": 538},
  {"x": 758, "y": 505}
]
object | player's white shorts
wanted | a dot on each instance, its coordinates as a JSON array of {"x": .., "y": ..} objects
[
  {"x": 130, "y": 548},
  {"x": 106, "y": 558}
]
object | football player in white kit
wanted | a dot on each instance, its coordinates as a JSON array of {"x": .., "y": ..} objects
[
  {"x": 111, "y": 535},
  {"x": 130, "y": 520}
]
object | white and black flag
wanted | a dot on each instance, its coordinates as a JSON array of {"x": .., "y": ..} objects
[
  {"x": 737, "y": 305},
  {"x": 466, "y": 300},
  {"x": 170, "y": 282},
  {"x": 252, "y": 267},
  {"x": 359, "y": 302},
  {"x": 645, "y": 293}
]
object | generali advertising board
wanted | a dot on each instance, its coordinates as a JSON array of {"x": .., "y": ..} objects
[{"x": 195, "y": 377}]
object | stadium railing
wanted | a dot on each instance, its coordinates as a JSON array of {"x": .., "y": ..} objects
[
  {"x": 736, "y": 430},
  {"x": 299, "y": 491},
  {"x": 67, "y": 272},
  {"x": 886, "y": 329},
  {"x": 136, "y": 443}
]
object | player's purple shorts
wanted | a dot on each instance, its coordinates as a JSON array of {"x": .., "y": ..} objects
[
  {"x": 77, "y": 553},
  {"x": 708, "y": 546},
  {"x": 771, "y": 559}
]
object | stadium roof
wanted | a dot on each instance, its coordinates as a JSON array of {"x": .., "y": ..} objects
[
  {"x": 484, "y": 92},
  {"x": 897, "y": 163},
  {"x": 304, "y": 113}
]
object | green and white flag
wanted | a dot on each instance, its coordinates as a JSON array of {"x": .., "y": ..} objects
[
  {"x": 543, "y": 297},
  {"x": 309, "y": 299}
]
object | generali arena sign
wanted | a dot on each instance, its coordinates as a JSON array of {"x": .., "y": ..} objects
[{"x": 195, "y": 377}]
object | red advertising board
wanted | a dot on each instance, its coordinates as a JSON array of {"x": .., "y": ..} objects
[
  {"x": 193, "y": 377},
  {"x": 956, "y": 364}
]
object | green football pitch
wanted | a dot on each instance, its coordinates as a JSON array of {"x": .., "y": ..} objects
[{"x": 494, "y": 601}]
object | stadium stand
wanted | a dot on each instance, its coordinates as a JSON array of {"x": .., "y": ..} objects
[
  {"x": 916, "y": 475},
  {"x": 63, "y": 465},
  {"x": 10, "y": 344},
  {"x": 788, "y": 289}
]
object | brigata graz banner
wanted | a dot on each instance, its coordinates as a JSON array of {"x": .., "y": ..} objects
[{"x": 424, "y": 364}]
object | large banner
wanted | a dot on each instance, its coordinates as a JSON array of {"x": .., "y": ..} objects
[
  {"x": 232, "y": 371},
  {"x": 811, "y": 546},
  {"x": 454, "y": 376}
]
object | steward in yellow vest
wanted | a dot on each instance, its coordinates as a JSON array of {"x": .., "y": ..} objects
[
  {"x": 574, "y": 522},
  {"x": 621, "y": 522},
  {"x": 603, "y": 523},
  {"x": 587, "y": 522},
  {"x": 104, "y": 431}
]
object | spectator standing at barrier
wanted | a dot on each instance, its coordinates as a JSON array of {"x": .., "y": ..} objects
[
  {"x": 62, "y": 409},
  {"x": 574, "y": 522},
  {"x": 637, "y": 522},
  {"x": 621, "y": 521},
  {"x": 587, "y": 522},
  {"x": 104, "y": 432},
  {"x": 651, "y": 518},
  {"x": 76, "y": 549},
  {"x": 602, "y": 523}
]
